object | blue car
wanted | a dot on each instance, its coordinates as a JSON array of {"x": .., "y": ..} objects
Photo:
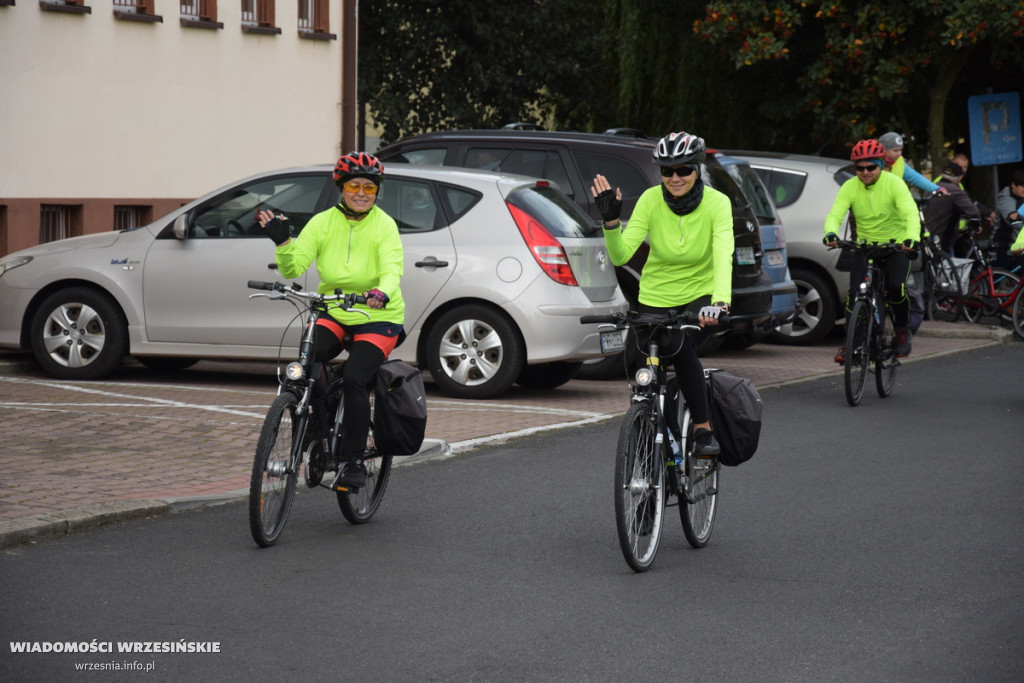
[{"x": 773, "y": 242}]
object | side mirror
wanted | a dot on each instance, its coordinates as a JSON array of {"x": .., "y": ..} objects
[{"x": 180, "y": 226}]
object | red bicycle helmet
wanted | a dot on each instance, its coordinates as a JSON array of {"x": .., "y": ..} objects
[
  {"x": 358, "y": 165},
  {"x": 867, "y": 149}
]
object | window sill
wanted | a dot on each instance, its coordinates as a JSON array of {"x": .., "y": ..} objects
[
  {"x": 263, "y": 30},
  {"x": 135, "y": 16},
  {"x": 317, "y": 35},
  {"x": 61, "y": 7},
  {"x": 201, "y": 23}
]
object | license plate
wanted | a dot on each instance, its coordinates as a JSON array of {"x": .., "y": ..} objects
[
  {"x": 611, "y": 342},
  {"x": 774, "y": 257},
  {"x": 744, "y": 256}
]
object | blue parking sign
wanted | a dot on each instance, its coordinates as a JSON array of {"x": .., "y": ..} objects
[{"x": 995, "y": 128}]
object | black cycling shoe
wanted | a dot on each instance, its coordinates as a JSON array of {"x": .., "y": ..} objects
[
  {"x": 351, "y": 476},
  {"x": 705, "y": 445}
]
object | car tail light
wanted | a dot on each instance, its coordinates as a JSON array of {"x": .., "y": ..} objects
[{"x": 545, "y": 248}]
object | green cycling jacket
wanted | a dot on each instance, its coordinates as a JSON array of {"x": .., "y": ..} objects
[
  {"x": 884, "y": 210},
  {"x": 354, "y": 256},
  {"x": 690, "y": 256}
]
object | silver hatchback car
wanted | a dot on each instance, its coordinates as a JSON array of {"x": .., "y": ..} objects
[{"x": 498, "y": 270}]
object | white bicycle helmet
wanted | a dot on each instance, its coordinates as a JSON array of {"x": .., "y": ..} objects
[{"x": 679, "y": 148}]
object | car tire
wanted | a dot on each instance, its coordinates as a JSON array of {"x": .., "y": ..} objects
[
  {"x": 67, "y": 352},
  {"x": 603, "y": 369},
  {"x": 815, "y": 315},
  {"x": 547, "y": 375},
  {"x": 462, "y": 368}
]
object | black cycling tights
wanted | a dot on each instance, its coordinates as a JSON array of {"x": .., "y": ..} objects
[
  {"x": 689, "y": 371},
  {"x": 897, "y": 268},
  {"x": 359, "y": 370}
]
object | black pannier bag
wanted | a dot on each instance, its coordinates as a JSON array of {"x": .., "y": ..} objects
[
  {"x": 736, "y": 409},
  {"x": 400, "y": 415}
]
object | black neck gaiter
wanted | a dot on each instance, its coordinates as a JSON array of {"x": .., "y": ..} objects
[{"x": 681, "y": 206}]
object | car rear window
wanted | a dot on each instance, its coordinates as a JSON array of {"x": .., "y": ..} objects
[
  {"x": 538, "y": 163},
  {"x": 755, "y": 192},
  {"x": 559, "y": 214},
  {"x": 410, "y": 203},
  {"x": 786, "y": 186},
  {"x": 433, "y": 156},
  {"x": 619, "y": 172}
]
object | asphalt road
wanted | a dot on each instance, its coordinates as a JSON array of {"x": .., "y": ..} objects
[{"x": 881, "y": 542}]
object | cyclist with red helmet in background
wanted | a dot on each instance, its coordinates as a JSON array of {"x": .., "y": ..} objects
[
  {"x": 689, "y": 268},
  {"x": 357, "y": 248},
  {"x": 884, "y": 211}
]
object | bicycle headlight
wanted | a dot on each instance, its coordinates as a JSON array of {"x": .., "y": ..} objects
[
  {"x": 294, "y": 371},
  {"x": 644, "y": 376}
]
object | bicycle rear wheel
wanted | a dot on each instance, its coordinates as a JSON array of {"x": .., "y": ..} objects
[
  {"x": 942, "y": 288},
  {"x": 885, "y": 355},
  {"x": 698, "y": 504},
  {"x": 1018, "y": 314},
  {"x": 858, "y": 351},
  {"x": 639, "y": 488},
  {"x": 274, "y": 471},
  {"x": 359, "y": 506}
]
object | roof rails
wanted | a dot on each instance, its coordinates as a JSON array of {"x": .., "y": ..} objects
[
  {"x": 521, "y": 125},
  {"x": 626, "y": 132}
]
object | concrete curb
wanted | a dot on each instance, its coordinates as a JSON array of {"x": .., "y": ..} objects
[
  {"x": 38, "y": 527},
  {"x": 67, "y": 522}
]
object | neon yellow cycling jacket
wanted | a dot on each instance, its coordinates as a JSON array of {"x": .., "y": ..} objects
[
  {"x": 353, "y": 256},
  {"x": 690, "y": 256},
  {"x": 884, "y": 211}
]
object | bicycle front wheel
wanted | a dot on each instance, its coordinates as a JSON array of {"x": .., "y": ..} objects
[
  {"x": 942, "y": 288},
  {"x": 275, "y": 471},
  {"x": 858, "y": 351},
  {"x": 885, "y": 355},
  {"x": 360, "y": 505},
  {"x": 698, "y": 503},
  {"x": 639, "y": 488}
]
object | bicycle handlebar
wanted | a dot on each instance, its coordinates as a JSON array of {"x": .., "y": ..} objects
[
  {"x": 669, "y": 319},
  {"x": 296, "y": 290}
]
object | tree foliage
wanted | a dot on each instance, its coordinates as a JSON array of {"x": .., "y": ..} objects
[
  {"x": 868, "y": 67},
  {"x": 467, "y": 64}
]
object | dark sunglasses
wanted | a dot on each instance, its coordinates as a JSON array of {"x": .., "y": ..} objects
[
  {"x": 867, "y": 169},
  {"x": 681, "y": 171}
]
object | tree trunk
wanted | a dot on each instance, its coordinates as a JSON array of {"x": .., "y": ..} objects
[{"x": 951, "y": 64}]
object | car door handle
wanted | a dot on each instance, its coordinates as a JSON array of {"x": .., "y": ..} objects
[{"x": 431, "y": 264}]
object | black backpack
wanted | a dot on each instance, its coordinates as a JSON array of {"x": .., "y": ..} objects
[
  {"x": 736, "y": 409},
  {"x": 400, "y": 415}
]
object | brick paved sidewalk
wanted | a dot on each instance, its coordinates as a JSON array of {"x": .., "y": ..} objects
[{"x": 79, "y": 454}]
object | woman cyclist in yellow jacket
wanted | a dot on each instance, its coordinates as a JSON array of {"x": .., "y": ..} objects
[
  {"x": 357, "y": 248},
  {"x": 689, "y": 227}
]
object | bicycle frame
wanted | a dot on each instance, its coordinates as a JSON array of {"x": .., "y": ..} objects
[
  {"x": 645, "y": 469},
  {"x": 656, "y": 392}
]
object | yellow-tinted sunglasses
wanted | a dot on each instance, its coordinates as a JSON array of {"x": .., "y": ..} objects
[{"x": 355, "y": 187}]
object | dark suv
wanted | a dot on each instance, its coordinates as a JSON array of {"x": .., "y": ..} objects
[{"x": 572, "y": 160}]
